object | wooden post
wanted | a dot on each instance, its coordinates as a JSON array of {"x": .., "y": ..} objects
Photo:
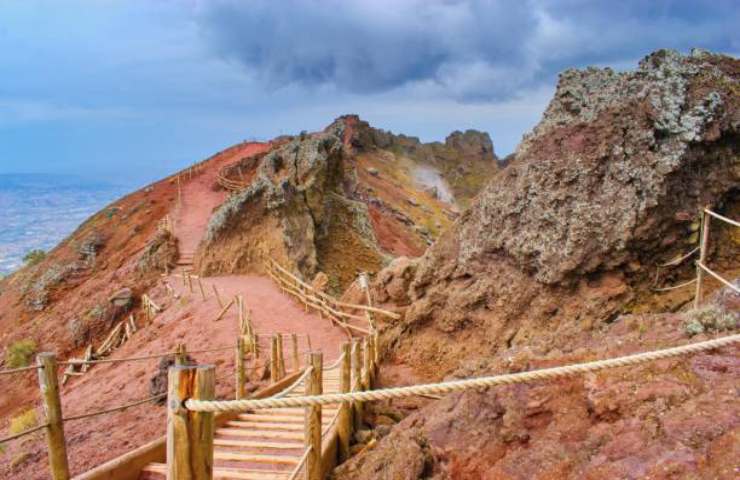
[
  {"x": 357, "y": 381},
  {"x": 370, "y": 345},
  {"x": 274, "y": 360},
  {"x": 240, "y": 368},
  {"x": 190, "y": 282},
  {"x": 49, "y": 384},
  {"x": 190, "y": 434},
  {"x": 344, "y": 422},
  {"x": 703, "y": 242},
  {"x": 296, "y": 358},
  {"x": 281, "y": 356},
  {"x": 366, "y": 364},
  {"x": 218, "y": 297},
  {"x": 312, "y": 427},
  {"x": 181, "y": 354},
  {"x": 202, "y": 291},
  {"x": 376, "y": 347},
  {"x": 256, "y": 345}
]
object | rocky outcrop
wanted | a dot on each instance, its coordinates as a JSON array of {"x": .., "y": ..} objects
[
  {"x": 466, "y": 160},
  {"x": 554, "y": 252},
  {"x": 289, "y": 211}
]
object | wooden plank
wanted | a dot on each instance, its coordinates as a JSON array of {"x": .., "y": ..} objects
[
  {"x": 257, "y": 433},
  {"x": 255, "y": 457},
  {"x": 344, "y": 421},
  {"x": 48, "y": 382},
  {"x": 190, "y": 434},
  {"x": 223, "y": 442},
  {"x": 313, "y": 418},
  {"x": 226, "y": 473}
]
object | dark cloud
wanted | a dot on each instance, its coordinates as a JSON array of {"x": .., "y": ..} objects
[{"x": 467, "y": 50}]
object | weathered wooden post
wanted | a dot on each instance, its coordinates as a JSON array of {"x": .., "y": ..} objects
[
  {"x": 181, "y": 354},
  {"x": 274, "y": 367},
  {"x": 190, "y": 282},
  {"x": 281, "y": 356},
  {"x": 190, "y": 434},
  {"x": 296, "y": 358},
  {"x": 312, "y": 427},
  {"x": 344, "y": 424},
  {"x": 357, "y": 382},
  {"x": 703, "y": 246},
  {"x": 376, "y": 347},
  {"x": 370, "y": 352},
  {"x": 202, "y": 291},
  {"x": 49, "y": 384},
  {"x": 366, "y": 364},
  {"x": 256, "y": 345},
  {"x": 218, "y": 297},
  {"x": 240, "y": 376}
]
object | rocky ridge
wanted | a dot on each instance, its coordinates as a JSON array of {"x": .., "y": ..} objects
[{"x": 545, "y": 268}]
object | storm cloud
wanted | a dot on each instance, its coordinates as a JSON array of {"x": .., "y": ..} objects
[{"x": 468, "y": 50}]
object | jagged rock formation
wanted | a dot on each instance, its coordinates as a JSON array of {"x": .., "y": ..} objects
[
  {"x": 316, "y": 197},
  {"x": 551, "y": 253}
]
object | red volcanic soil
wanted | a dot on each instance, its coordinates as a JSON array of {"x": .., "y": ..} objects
[
  {"x": 199, "y": 199},
  {"x": 187, "y": 319}
]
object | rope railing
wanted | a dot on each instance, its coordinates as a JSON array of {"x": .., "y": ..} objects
[
  {"x": 114, "y": 409},
  {"x": 718, "y": 277},
  {"x": 24, "y": 433},
  {"x": 295, "y": 384},
  {"x": 301, "y": 463},
  {"x": 335, "y": 364},
  {"x": 20, "y": 370},
  {"x": 460, "y": 385},
  {"x": 675, "y": 287},
  {"x": 722, "y": 217},
  {"x": 679, "y": 260}
]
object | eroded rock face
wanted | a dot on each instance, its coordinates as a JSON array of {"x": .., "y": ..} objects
[{"x": 550, "y": 255}]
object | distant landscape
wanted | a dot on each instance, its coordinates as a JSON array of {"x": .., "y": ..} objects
[{"x": 37, "y": 211}]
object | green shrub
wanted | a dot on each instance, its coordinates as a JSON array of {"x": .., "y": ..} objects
[
  {"x": 34, "y": 257},
  {"x": 19, "y": 353},
  {"x": 709, "y": 318},
  {"x": 22, "y": 422}
]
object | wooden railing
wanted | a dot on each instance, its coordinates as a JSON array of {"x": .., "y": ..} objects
[{"x": 340, "y": 313}]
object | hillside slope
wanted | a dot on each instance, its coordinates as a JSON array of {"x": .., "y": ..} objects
[{"x": 552, "y": 264}]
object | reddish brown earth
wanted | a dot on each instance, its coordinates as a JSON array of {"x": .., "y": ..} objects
[
  {"x": 199, "y": 198},
  {"x": 188, "y": 320}
]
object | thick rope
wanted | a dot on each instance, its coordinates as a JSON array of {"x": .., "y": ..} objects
[
  {"x": 114, "y": 409},
  {"x": 295, "y": 384},
  {"x": 716, "y": 275},
  {"x": 459, "y": 385},
  {"x": 117, "y": 360},
  {"x": 723, "y": 218},
  {"x": 21, "y": 369},
  {"x": 680, "y": 259},
  {"x": 675, "y": 287},
  {"x": 24, "y": 433}
]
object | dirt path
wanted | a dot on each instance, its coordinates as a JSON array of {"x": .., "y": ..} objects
[{"x": 199, "y": 199}]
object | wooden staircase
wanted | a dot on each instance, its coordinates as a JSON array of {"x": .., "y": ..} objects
[
  {"x": 185, "y": 259},
  {"x": 266, "y": 444}
]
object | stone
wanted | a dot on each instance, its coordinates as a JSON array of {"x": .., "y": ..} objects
[
  {"x": 373, "y": 171},
  {"x": 123, "y": 298}
]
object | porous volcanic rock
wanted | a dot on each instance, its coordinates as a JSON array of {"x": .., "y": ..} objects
[{"x": 547, "y": 264}]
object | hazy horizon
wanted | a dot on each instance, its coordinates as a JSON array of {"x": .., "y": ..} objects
[{"x": 134, "y": 90}]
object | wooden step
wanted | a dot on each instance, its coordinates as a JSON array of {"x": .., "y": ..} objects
[
  {"x": 285, "y": 445},
  {"x": 219, "y": 454},
  {"x": 299, "y": 412},
  {"x": 226, "y": 473},
  {"x": 256, "y": 433},
  {"x": 294, "y": 426}
]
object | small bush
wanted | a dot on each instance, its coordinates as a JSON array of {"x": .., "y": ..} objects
[
  {"x": 34, "y": 257},
  {"x": 19, "y": 353},
  {"x": 22, "y": 422},
  {"x": 709, "y": 318}
]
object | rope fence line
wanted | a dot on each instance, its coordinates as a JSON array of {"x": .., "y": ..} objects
[
  {"x": 675, "y": 287},
  {"x": 721, "y": 217},
  {"x": 718, "y": 277},
  {"x": 679, "y": 260},
  {"x": 23, "y": 433},
  {"x": 114, "y": 409},
  {"x": 460, "y": 385},
  {"x": 20, "y": 370}
]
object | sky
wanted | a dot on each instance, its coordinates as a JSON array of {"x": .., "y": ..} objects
[{"x": 129, "y": 91}]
